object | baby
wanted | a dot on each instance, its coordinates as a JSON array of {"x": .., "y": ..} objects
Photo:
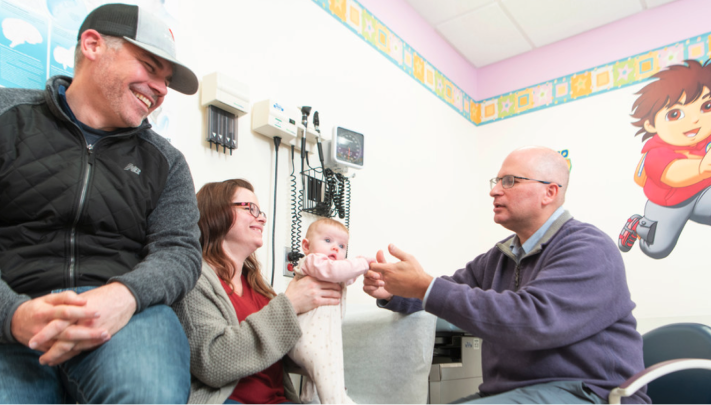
[{"x": 320, "y": 349}]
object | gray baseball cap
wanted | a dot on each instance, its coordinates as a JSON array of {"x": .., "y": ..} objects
[{"x": 146, "y": 31}]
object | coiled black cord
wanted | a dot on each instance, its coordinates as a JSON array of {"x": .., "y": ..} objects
[
  {"x": 294, "y": 255},
  {"x": 331, "y": 190},
  {"x": 347, "y": 193},
  {"x": 338, "y": 198},
  {"x": 298, "y": 217}
]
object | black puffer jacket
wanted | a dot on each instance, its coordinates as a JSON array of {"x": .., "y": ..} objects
[{"x": 72, "y": 215}]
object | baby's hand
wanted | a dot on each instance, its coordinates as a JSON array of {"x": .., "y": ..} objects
[{"x": 369, "y": 259}]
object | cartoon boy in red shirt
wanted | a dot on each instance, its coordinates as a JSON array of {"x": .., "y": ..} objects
[{"x": 675, "y": 170}]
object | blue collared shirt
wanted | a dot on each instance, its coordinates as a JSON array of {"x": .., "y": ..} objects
[{"x": 516, "y": 245}]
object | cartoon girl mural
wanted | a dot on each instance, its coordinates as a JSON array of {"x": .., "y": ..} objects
[{"x": 674, "y": 116}]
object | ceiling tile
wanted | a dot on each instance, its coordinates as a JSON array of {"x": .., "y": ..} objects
[
  {"x": 548, "y": 21},
  {"x": 484, "y": 36},
  {"x": 435, "y": 12},
  {"x": 656, "y": 3}
]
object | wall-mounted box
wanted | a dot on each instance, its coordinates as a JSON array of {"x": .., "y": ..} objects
[
  {"x": 226, "y": 93},
  {"x": 272, "y": 119}
]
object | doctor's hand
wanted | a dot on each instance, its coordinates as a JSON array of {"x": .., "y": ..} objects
[
  {"x": 405, "y": 278},
  {"x": 308, "y": 293},
  {"x": 374, "y": 286},
  {"x": 373, "y": 283}
]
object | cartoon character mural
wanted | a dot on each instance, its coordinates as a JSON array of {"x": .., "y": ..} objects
[
  {"x": 565, "y": 153},
  {"x": 674, "y": 116}
]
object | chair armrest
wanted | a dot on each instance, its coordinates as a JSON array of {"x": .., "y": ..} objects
[{"x": 651, "y": 373}]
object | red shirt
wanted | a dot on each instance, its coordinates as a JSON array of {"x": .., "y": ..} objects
[
  {"x": 659, "y": 156},
  {"x": 265, "y": 387}
]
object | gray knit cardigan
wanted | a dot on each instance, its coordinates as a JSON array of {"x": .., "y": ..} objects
[{"x": 222, "y": 350}]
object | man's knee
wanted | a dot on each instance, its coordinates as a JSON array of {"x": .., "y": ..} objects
[
  {"x": 148, "y": 361},
  {"x": 160, "y": 353},
  {"x": 156, "y": 388},
  {"x": 24, "y": 380}
]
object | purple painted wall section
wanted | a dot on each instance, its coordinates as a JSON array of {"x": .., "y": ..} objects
[
  {"x": 647, "y": 30},
  {"x": 404, "y": 21},
  {"x": 636, "y": 34}
]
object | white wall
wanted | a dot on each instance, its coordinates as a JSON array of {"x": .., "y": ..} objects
[
  {"x": 598, "y": 133},
  {"x": 425, "y": 185},
  {"x": 416, "y": 188}
]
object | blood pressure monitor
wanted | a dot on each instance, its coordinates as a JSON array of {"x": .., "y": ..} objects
[{"x": 346, "y": 150}]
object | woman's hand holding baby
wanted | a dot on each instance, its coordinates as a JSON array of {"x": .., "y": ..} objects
[{"x": 308, "y": 293}]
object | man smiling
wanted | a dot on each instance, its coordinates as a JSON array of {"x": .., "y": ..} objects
[{"x": 98, "y": 224}]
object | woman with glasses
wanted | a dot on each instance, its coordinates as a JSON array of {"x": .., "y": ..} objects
[{"x": 239, "y": 329}]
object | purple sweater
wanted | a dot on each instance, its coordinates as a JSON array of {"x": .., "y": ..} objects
[{"x": 570, "y": 319}]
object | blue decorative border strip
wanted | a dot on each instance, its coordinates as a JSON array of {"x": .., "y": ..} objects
[
  {"x": 597, "y": 80},
  {"x": 361, "y": 22}
]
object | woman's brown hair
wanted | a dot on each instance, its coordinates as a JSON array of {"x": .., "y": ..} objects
[{"x": 216, "y": 218}]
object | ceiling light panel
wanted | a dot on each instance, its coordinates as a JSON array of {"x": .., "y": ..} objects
[
  {"x": 656, "y": 3},
  {"x": 484, "y": 36},
  {"x": 546, "y": 21},
  {"x": 436, "y": 12}
]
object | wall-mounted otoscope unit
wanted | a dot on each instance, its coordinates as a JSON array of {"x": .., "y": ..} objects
[
  {"x": 322, "y": 189},
  {"x": 226, "y": 100},
  {"x": 328, "y": 186},
  {"x": 273, "y": 119}
]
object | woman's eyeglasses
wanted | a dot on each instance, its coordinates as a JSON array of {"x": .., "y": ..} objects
[{"x": 253, "y": 208}]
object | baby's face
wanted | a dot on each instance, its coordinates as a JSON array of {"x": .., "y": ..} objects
[{"x": 330, "y": 241}]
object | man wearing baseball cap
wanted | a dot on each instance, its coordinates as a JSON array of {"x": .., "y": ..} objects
[{"x": 98, "y": 224}]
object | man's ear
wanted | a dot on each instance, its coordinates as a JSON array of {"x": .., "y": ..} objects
[
  {"x": 649, "y": 127},
  {"x": 305, "y": 246},
  {"x": 91, "y": 44},
  {"x": 551, "y": 195}
]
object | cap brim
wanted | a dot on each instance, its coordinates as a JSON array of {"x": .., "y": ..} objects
[{"x": 184, "y": 80}]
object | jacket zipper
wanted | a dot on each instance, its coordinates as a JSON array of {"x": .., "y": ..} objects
[
  {"x": 517, "y": 270},
  {"x": 80, "y": 208}
]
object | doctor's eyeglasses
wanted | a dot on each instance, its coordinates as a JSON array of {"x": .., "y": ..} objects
[
  {"x": 253, "y": 208},
  {"x": 509, "y": 180}
]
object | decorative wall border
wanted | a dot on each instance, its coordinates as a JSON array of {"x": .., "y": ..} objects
[
  {"x": 361, "y": 22},
  {"x": 586, "y": 83}
]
